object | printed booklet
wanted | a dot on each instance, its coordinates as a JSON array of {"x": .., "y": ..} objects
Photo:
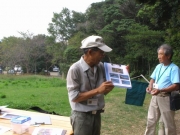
[{"x": 118, "y": 74}]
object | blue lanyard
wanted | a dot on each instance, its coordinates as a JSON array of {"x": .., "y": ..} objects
[{"x": 159, "y": 76}]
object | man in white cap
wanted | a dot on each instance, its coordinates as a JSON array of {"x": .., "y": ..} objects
[{"x": 87, "y": 86}]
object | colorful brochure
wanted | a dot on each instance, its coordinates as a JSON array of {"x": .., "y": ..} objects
[{"x": 118, "y": 74}]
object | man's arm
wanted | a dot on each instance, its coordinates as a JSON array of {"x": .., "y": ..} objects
[
  {"x": 105, "y": 87},
  {"x": 173, "y": 87},
  {"x": 150, "y": 87}
]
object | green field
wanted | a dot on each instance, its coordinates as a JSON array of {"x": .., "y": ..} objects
[
  {"x": 23, "y": 92},
  {"x": 50, "y": 94}
]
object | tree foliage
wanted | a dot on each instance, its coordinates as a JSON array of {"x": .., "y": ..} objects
[
  {"x": 23, "y": 51},
  {"x": 141, "y": 47},
  {"x": 10, "y": 51},
  {"x": 134, "y": 29},
  {"x": 164, "y": 15},
  {"x": 62, "y": 26}
]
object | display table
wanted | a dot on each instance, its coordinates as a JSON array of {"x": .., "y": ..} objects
[{"x": 57, "y": 121}]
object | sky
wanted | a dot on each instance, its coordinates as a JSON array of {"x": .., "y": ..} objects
[{"x": 33, "y": 16}]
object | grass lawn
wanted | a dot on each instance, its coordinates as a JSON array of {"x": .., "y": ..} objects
[
  {"x": 50, "y": 94},
  {"x": 23, "y": 92},
  {"x": 121, "y": 118}
]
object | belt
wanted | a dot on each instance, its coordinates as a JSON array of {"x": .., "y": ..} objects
[
  {"x": 163, "y": 94},
  {"x": 92, "y": 112}
]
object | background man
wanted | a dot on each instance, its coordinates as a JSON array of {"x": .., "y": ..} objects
[{"x": 165, "y": 78}]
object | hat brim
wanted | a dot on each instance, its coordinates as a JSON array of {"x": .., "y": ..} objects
[{"x": 105, "y": 48}]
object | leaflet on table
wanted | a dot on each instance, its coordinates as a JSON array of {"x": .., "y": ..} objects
[
  {"x": 118, "y": 74},
  {"x": 4, "y": 129},
  {"x": 9, "y": 115},
  {"x": 2, "y": 109},
  {"x": 35, "y": 119},
  {"x": 48, "y": 131}
]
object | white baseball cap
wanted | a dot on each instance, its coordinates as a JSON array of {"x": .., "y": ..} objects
[{"x": 95, "y": 41}]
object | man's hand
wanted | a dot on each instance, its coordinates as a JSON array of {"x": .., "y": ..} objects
[
  {"x": 128, "y": 68},
  {"x": 155, "y": 92},
  {"x": 105, "y": 87},
  {"x": 148, "y": 90}
]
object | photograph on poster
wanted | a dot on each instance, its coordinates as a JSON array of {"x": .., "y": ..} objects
[
  {"x": 125, "y": 82},
  {"x": 118, "y": 70},
  {"x": 113, "y": 75},
  {"x": 115, "y": 80},
  {"x": 126, "y": 77}
]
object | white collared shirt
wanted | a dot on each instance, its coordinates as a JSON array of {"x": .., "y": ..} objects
[{"x": 80, "y": 78}]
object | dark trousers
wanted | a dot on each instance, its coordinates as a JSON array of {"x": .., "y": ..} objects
[{"x": 85, "y": 123}]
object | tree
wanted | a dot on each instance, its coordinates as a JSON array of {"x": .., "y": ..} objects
[
  {"x": 95, "y": 18},
  {"x": 141, "y": 48},
  {"x": 38, "y": 53},
  {"x": 164, "y": 15},
  {"x": 10, "y": 51},
  {"x": 62, "y": 26},
  {"x": 33, "y": 52},
  {"x": 118, "y": 16}
]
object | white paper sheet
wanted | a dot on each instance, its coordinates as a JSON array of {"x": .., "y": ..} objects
[
  {"x": 48, "y": 131},
  {"x": 4, "y": 129},
  {"x": 40, "y": 119},
  {"x": 9, "y": 115},
  {"x": 2, "y": 107}
]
